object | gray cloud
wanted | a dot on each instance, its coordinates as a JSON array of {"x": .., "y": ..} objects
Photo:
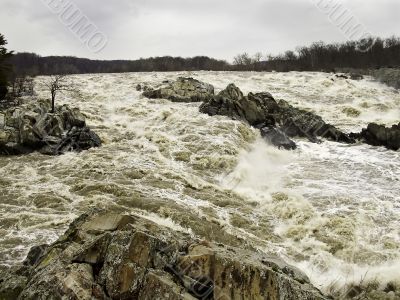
[{"x": 143, "y": 28}]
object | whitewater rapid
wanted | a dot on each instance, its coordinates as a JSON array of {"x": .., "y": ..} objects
[{"x": 333, "y": 210}]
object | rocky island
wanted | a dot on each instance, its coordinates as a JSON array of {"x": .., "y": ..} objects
[{"x": 33, "y": 127}]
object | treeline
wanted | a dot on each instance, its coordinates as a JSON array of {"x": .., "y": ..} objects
[
  {"x": 372, "y": 53},
  {"x": 362, "y": 54},
  {"x": 33, "y": 64}
]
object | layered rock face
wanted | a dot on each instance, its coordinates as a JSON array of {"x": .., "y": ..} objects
[
  {"x": 379, "y": 135},
  {"x": 29, "y": 128},
  {"x": 114, "y": 256},
  {"x": 278, "y": 121},
  {"x": 183, "y": 90}
]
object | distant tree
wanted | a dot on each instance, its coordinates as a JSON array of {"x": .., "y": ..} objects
[
  {"x": 243, "y": 59},
  {"x": 5, "y": 66},
  {"x": 290, "y": 55},
  {"x": 257, "y": 57}
]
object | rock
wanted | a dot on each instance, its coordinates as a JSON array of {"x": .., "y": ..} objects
[
  {"x": 341, "y": 76},
  {"x": 138, "y": 88},
  {"x": 34, "y": 255},
  {"x": 11, "y": 286},
  {"x": 355, "y": 76},
  {"x": 130, "y": 257},
  {"x": 32, "y": 127},
  {"x": 262, "y": 111},
  {"x": 296, "y": 122},
  {"x": 72, "y": 117},
  {"x": 379, "y": 135},
  {"x": 183, "y": 90},
  {"x": 278, "y": 138},
  {"x": 255, "y": 109}
]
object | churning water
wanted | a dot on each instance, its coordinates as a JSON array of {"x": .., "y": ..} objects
[{"x": 331, "y": 209}]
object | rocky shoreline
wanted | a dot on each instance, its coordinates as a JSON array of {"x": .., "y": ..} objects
[{"x": 117, "y": 256}]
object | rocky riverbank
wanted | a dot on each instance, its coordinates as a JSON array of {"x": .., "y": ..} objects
[
  {"x": 116, "y": 256},
  {"x": 33, "y": 127}
]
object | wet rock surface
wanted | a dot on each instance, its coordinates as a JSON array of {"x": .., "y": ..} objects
[
  {"x": 182, "y": 90},
  {"x": 278, "y": 138},
  {"x": 280, "y": 120},
  {"x": 28, "y": 128},
  {"x": 296, "y": 122},
  {"x": 114, "y": 256},
  {"x": 379, "y": 135}
]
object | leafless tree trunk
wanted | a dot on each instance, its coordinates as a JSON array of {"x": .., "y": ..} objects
[{"x": 57, "y": 83}]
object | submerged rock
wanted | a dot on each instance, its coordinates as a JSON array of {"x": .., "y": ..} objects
[
  {"x": 183, "y": 90},
  {"x": 29, "y": 128},
  {"x": 379, "y": 135},
  {"x": 113, "y": 256},
  {"x": 280, "y": 119}
]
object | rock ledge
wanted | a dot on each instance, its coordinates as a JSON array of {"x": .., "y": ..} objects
[{"x": 114, "y": 256}]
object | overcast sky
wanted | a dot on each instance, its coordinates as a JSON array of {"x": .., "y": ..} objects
[{"x": 221, "y": 29}]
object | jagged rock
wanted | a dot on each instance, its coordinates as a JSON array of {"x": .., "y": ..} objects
[
  {"x": 379, "y": 135},
  {"x": 296, "y": 122},
  {"x": 277, "y": 138},
  {"x": 183, "y": 90},
  {"x": 255, "y": 109},
  {"x": 29, "y": 128},
  {"x": 34, "y": 255},
  {"x": 261, "y": 110},
  {"x": 113, "y": 256},
  {"x": 138, "y": 88}
]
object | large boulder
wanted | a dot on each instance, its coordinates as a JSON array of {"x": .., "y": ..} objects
[
  {"x": 255, "y": 108},
  {"x": 182, "y": 90},
  {"x": 29, "y": 128},
  {"x": 379, "y": 135},
  {"x": 115, "y": 256}
]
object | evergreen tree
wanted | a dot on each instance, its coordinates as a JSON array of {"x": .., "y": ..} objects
[{"x": 5, "y": 66}]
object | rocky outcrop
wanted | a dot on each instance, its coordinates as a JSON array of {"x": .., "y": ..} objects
[
  {"x": 29, "y": 128},
  {"x": 296, "y": 122},
  {"x": 182, "y": 90},
  {"x": 280, "y": 120},
  {"x": 379, "y": 135},
  {"x": 256, "y": 109},
  {"x": 114, "y": 256}
]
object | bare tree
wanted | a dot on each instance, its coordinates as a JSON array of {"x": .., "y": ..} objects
[
  {"x": 243, "y": 59},
  {"x": 57, "y": 83},
  {"x": 257, "y": 57}
]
